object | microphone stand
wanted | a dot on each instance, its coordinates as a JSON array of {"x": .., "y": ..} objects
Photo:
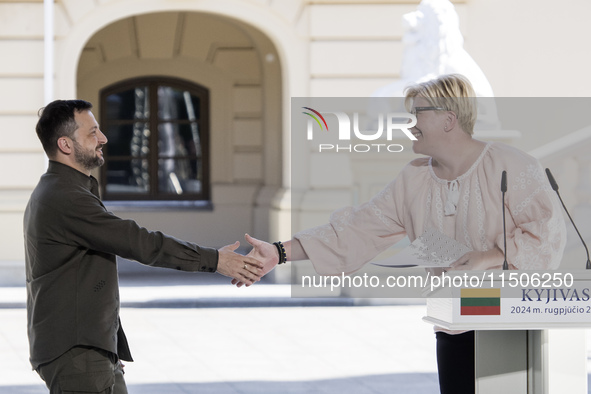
[
  {"x": 503, "y": 190},
  {"x": 555, "y": 188}
]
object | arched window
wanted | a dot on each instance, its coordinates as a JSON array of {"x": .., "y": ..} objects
[{"x": 158, "y": 132}]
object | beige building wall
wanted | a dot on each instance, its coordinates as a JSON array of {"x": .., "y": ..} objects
[
  {"x": 240, "y": 68},
  {"x": 254, "y": 55},
  {"x": 21, "y": 95},
  {"x": 223, "y": 51}
]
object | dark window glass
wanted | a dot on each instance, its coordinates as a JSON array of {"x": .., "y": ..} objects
[
  {"x": 128, "y": 176},
  {"x": 152, "y": 155},
  {"x": 177, "y": 104},
  {"x": 179, "y": 176},
  {"x": 178, "y": 139},
  {"x": 128, "y": 139},
  {"x": 128, "y": 104}
]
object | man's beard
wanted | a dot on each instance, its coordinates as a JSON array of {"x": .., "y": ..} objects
[{"x": 87, "y": 158}]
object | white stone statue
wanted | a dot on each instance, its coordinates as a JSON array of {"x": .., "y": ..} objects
[{"x": 433, "y": 46}]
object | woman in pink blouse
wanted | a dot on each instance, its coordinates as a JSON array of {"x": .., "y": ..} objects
[{"x": 456, "y": 190}]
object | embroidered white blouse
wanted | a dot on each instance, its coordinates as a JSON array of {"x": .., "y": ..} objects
[{"x": 467, "y": 209}]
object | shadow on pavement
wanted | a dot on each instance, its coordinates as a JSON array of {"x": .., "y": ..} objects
[{"x": 411, "y": 383}]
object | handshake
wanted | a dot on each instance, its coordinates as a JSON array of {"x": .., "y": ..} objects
[{"x": 246, "y": 270}]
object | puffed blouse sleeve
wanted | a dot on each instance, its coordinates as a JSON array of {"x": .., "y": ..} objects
[
  {"x": 355, "y": 235},
  {"x": 537, "y": 236}
]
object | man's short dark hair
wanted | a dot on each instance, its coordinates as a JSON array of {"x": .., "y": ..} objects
[{"x": 56, "y": 120}]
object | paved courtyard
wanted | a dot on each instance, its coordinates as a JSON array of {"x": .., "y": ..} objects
[
  {"x": 257, "y": 350},
  {"x": 218, "y": 339}
]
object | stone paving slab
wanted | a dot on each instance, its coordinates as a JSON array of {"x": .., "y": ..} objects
[
  {"x": 361, "y": 350},
  {"x": 219, "y": 339}
]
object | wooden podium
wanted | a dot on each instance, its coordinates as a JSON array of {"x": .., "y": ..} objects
[{"x": 529, "y": 326}]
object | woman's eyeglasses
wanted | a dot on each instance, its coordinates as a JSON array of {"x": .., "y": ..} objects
[{"x": 416, "y": 110}]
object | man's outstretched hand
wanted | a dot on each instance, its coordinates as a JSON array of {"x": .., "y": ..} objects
[
  {"x": 262, "y": 251},
  {"x": 244, "y": 269}
]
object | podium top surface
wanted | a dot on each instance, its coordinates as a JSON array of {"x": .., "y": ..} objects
[{"x": 513, "y": 300}]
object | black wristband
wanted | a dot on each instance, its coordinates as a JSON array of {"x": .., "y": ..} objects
[{"x": 281, "y": 250}]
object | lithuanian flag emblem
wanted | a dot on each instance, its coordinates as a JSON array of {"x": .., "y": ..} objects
[{"x": 480, "y": 302}]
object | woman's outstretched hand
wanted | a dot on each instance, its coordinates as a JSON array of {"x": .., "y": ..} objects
[{"x": 262, "y": 251}]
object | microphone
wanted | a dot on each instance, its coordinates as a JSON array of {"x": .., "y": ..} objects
[
  {"x": 503, "y": 190},
  {"x": 555, "y": 188}
]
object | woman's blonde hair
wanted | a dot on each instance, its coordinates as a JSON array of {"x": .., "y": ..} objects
[{"x": 453, "y": 92}]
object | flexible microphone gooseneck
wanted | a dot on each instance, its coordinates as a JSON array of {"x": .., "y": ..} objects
[
  {"x": 555, "y": 188},
  {"x": 503, "y": 190}
]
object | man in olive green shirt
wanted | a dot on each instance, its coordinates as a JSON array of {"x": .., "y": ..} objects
[{"x": 71, "y": 243}]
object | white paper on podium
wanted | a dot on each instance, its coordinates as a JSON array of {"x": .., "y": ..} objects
[{"x": 431, "y": 249}]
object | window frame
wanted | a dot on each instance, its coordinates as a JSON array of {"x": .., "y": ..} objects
[{"x": 153, "y": 82}]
